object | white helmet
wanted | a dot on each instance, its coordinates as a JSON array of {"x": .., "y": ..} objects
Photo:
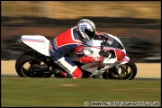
[{"x": 86, "y": 28}]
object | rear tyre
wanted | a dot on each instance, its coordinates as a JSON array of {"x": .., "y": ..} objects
[{"x": 28, "y": 66}]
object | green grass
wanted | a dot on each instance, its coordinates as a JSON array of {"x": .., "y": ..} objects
[{"x": 52, "y": 92}]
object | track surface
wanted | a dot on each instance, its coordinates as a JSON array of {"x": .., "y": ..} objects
[{"x": 145, "y": 70}]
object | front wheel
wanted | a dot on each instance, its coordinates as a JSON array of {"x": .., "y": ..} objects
[{"x": 129, "y": 71}]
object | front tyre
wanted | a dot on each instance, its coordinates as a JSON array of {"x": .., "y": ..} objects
[
  {"x": 129, "y": 71},
  {"x": 28, "y": 66}
]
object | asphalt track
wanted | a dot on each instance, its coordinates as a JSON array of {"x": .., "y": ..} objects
[{"x": 146, "y": 71}]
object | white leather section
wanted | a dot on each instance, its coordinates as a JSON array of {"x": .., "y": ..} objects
[{"x": 65, "y": 65}]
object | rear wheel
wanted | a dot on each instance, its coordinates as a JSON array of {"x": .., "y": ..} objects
[{"x": 28, "y": 66}]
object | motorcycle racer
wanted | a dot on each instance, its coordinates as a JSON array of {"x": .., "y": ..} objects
[{"x": 71, "y": 40}]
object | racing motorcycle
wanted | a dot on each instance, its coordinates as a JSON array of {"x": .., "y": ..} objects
[{"x": 38, "y": 63}]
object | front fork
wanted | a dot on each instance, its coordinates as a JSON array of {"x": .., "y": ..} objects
[
  {"x": 118, "y": 66},
  {"x": 119, "y": 69}
]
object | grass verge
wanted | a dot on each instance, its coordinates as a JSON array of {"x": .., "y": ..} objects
[{"x": 52, "y": 92}]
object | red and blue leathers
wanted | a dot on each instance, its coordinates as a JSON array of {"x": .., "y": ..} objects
[
  {"x": 63, "y": 44},
  {"x": 67, "y": 42}
]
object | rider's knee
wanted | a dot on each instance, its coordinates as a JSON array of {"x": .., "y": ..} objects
[{"x": 77, "y": 73}]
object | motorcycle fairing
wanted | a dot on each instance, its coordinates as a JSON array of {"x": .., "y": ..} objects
[{"x": 125, "y": 60}]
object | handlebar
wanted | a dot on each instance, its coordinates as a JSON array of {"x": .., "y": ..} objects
[{"x": 102, "y": 51}]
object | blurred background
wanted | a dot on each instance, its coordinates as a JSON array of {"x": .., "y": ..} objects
[{"x": 136, "y": 23}]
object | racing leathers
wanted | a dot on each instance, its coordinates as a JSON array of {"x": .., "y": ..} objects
[{"x": 62, "y": 45}]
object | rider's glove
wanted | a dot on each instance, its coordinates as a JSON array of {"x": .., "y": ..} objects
[
  {"x": 101, "y": 35},
  {"x": 105, "y": 35},
  {"x": 87, "y": 59}
]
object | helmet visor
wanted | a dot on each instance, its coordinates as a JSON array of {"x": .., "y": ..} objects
[{"x": 89, "y": 33}]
